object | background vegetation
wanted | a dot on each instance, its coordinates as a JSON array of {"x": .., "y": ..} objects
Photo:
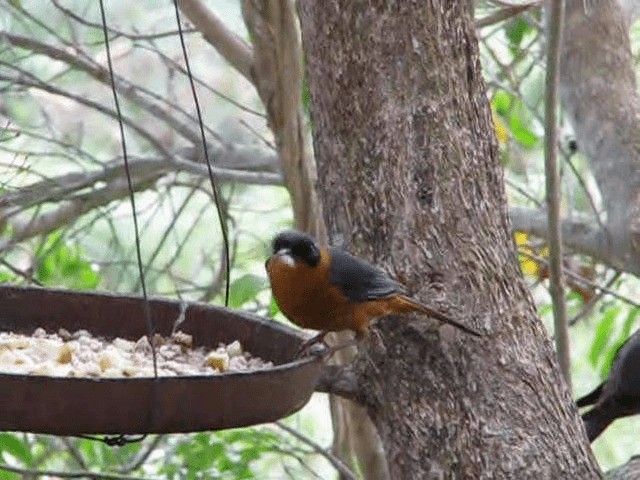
[{"x": 65, "y": 216}]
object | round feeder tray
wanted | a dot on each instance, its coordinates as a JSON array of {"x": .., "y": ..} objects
[{"x": 73, "y": 406}]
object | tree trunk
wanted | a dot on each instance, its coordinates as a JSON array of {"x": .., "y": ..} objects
[
  {"x": 600, "y": 96},
  {"x": 410, "y": 177}
]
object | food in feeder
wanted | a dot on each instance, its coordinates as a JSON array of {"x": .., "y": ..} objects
[
  {"x": 218, "y": 360},
  {"x": 65, "y": 354},
  {"x": 79, "y": 354},
  {"x": 234, "y": 349}
]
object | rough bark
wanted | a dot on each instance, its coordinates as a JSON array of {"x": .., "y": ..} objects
[
  {"x": 410, "y": 179},
  {"x": 598, "y": 87},
  {"x": 276, "y": 73},
  {"x": 628, "y": 471}
]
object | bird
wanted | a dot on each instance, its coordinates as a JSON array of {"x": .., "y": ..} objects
[
  {"x": 329, "y": 290},
  {"x": 619, "y": 395}
]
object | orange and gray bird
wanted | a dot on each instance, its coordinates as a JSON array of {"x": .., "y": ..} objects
[
  {"x": 619, "y": 395},
  {"x": 328, "y": 289}
]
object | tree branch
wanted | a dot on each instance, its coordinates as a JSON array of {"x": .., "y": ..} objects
[
  {"x": 59, "y": 188},
  {"x": 586, "y": 281},
  {"x": 552, "y": 176},
  {"x": 579, "y": 235},
  {"x": 341, "y": 380},
  {"x": 627, "y": 471},
  {"x": 144, "y": 172},
  {"x": 28, "y": 472},
  {"x": 29, "y": 80},
  {"x": 344, "y": 471},
  {"x": 278, "y": 79},
  {"x": 127, "y": 89},
  {"x": 600, "y": 99},
  {"x": 505, "y": 13},
  {"x": 234, "y": 49}
]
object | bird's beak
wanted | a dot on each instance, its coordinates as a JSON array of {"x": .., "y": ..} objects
[{"x": 284, "y": 255}]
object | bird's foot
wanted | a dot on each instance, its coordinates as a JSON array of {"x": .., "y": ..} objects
[{"x": 307, "y": 347}]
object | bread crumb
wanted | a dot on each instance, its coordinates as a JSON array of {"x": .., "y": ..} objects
[
  {"x": 79, "y": 354},
  {"x": 218, "y": 360}
]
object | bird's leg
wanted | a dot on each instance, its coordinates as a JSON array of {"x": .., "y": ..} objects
[
  {"x": 326, "y": 352},
  {"x": 355, "y": 341},
  {"x": 319, "y": 338}
]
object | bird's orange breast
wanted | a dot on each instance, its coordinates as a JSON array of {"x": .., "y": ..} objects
[{"x": 305, "y": 295}]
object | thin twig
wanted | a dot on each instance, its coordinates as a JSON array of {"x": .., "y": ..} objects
[
  {"x": 20, "y": 273},
  {"x": 553, "y": 190},
  {"x": 28, "y": 472},
  {"x": 214, "y": 187},
  {"x": 74, "y": 452},
  {"x": 584, "y": 280},
  {"x": 147, "y": 308},
  {"x": 587, "y": 193},
  {"x": 504, "y": 14},
  {"x": 142, "y": 455},
  {"x": 69, "y": 13},
  {"x": 233, "y": 48},
  {"x": 587, "y": 307},
  {"x": 344, "y": 471}
]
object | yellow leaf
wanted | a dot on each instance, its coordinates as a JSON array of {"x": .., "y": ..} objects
[
  {"x": 529, "y": 266},
  {"x": 521, "y": 238},
  {"x": 502, "y": 134}
]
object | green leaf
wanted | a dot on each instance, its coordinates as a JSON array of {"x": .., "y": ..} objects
[
  {"x": 516, "y": 29},
  {"x": 245, "y": 288},
  {"x": 502, "y": 102},
  {"x": 623, "y": 337},
  {"x": 11, "y": 444},
  {"x": 60, "y": 265},
  {"x": 603, "y": 335},
  {"x": 523, "y": 135},
  {"x": 4, "y": 475},
  {"x": 273, "y": 307}
]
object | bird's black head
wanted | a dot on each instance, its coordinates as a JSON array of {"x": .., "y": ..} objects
[{"x": 297, "y": 246}]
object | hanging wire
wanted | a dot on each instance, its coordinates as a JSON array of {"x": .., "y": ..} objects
[
  {"x": 147, "y": 309},
  {"x": 223, "y": 227}
]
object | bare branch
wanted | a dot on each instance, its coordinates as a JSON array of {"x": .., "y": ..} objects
[
  {"x": 587, "y": 307},
  {"x": 278, "y": 78},
  {"x": 72, "y": 209},
  {"x": 627, "y": 471},
  {"x": 509, "y": 10},
  {"x": 579, "y": 235},
  {"x": 584, "y": 280},
  {"x": 127, "y": 89},
  {"x": 228, "y": 44},
  {"x": 340, "y": 380},
  {"x": 29, "y": 472},
  {"x": 343, "y": 470},
  {"x": 27, "y": 79},
  {"x": 552, "y": 175}
]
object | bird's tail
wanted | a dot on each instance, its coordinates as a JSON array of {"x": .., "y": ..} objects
[
  {"x": 413, "y": 305},
  {"x": 597, "y": 420}
]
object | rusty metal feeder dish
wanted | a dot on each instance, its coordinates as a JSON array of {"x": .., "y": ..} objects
[{"x": 74, "y": 406}]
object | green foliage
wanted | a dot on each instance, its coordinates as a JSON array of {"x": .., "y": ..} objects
[
  {"x": 610, "y": 354},
  {"x": 608, "y": 338},
  {"x": 62, "y": 265},
  {"x": 274, "y": 309},
  {"x": 225, "y": 454},
  {"x": 517, "y": 117},
  {"x": 12, "y": 445},
  {"x": 603, "y": 335},
  {"x": 516, "y": 30},
  {"x": 245, "y": 289}
]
